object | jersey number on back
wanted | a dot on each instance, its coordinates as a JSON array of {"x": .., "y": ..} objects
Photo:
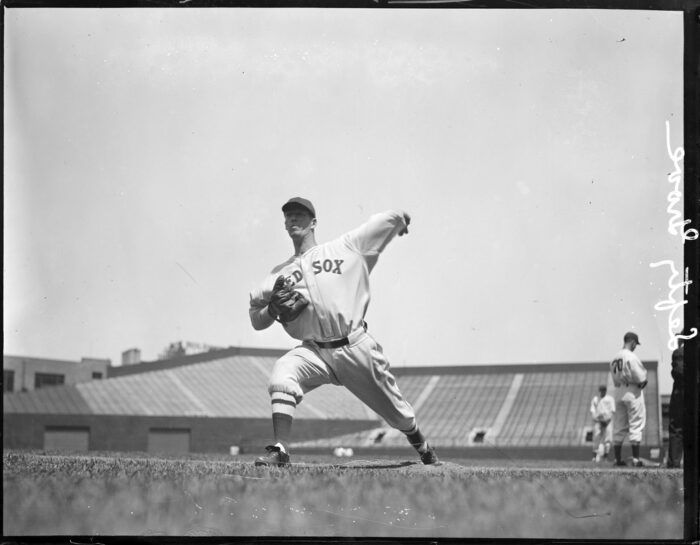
[{"x": 616, "y": 366}]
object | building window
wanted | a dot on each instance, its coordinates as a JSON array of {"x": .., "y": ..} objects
[
  {"x": 42, "y": 380},
  {"x": 96, "y": 375},
  {"x": 8, "y": 381}
]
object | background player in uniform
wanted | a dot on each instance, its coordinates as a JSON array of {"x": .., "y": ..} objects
[
  {"x": 602, "y": 409},
  {"x": 675, "y": 410},
  {"x": 333, "y": 278},
  {"x": 629, "y": 377}
]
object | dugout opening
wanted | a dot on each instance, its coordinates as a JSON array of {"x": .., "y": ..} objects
[{"x": 478, "y": 435}]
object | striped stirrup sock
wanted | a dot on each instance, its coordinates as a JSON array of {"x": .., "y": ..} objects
[
  {"x": 417, "y": 439},
  {"x": 283, "y": 408}
]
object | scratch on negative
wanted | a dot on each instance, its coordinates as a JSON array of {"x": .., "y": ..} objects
[{"x": 187, "y": 273}]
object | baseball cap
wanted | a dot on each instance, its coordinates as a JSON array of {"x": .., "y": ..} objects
[
  {"x": 300, "y": 201},
  {"x": 631, "y": 336}
]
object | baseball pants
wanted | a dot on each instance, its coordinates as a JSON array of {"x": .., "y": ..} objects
[
  {"x": 359, "y": 366},
  {"x": 630, "y": 414},
  {"x": 602, "y": 434}
]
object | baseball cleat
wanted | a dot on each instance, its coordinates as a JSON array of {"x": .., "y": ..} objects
[
  {"x": 620, "y": 463},
  {"x": 637, "y": 463},
  {"x": 275, "y": 457},
  {"x": 429, "y": 457}
]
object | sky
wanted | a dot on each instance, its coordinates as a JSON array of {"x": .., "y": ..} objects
[{"x": 148, "y": 153}]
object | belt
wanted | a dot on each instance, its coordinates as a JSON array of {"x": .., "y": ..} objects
[
  {"x": 337, "y": 343},
  {"x": 332, "y": 344}
]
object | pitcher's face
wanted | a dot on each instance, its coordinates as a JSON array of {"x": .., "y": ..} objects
[{"x": 298, "y": 222}]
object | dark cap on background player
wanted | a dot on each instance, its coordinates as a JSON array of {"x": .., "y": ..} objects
[
  {"x": 299, "y": 201},
  {"x": 631, "y": 336}
]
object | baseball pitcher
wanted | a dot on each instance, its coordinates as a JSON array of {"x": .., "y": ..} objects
[
  {"x": 320, "y": 296},
  {"x": 630, "y": 378}
]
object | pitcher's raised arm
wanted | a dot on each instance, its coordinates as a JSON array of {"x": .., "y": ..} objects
[{"x": 371, "y": 237}]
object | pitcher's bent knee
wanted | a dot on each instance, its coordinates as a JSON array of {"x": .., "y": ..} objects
[
  {"x": 289, "y": 387},
  {"x": 283, "y": 379}
]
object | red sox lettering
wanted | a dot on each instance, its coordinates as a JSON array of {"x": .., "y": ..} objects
[
  {"x": 332, "y": 266},
  {"x": 328, "y": 265}
]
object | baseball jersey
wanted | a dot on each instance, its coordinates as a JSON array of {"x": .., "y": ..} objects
[
  {"x": 627, "y": 369},
  {"x": 334, "y": 278},
  {"x": 602, "y": 408}
]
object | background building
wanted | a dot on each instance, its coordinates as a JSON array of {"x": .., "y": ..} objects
[
  {"x": 131, "y": 356},
  {"x": 179, "y": 349},
  {"x": 24, "y": 374}
]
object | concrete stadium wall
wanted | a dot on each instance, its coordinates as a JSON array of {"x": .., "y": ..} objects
[
  {"x": 130, "y": 433},
  {"x": 216, "y": 435}
]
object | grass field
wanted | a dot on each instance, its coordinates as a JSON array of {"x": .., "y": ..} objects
[{"x": 111, "y": 494}]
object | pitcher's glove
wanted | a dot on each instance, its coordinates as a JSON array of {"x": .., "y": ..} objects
[{"x": 285, "y": 303}]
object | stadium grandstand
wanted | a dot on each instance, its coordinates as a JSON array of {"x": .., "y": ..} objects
[
  {"x": 531, "y": 410},
  {"x": 217, "y": 402}
]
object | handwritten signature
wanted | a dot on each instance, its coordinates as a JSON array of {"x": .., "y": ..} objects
[
  {"x": 672, "y": 305},
  {"x": 676, "y": 226},
  {"x": 675, "y": 195}
]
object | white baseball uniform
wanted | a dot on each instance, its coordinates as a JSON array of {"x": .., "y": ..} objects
[
  {"x": 628, "y": 375},
  {"x": 334, "y": 278},
  {"x": 602, "y": 409}
]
